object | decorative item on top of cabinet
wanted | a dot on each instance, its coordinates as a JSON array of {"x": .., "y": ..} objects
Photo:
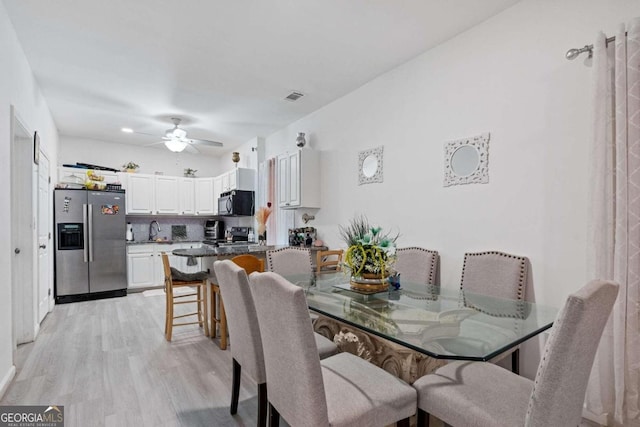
[
  {"x": 299, "y": 179},
  {"x": 190, "y": 173},
  {"x": 130, "y": 167},
  {"x": 235, "y": 158},
  {"x": 300, "y": 140},
  {"x": 466, "y": 160}
]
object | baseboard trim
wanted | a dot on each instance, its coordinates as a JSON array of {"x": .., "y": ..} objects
[{"x": 4, "y": 385}]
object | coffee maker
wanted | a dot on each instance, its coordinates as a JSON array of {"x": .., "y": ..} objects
[{"x": 213, "y": 231}]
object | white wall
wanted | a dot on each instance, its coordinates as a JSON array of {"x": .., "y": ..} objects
[
  {"x": 19, "y": 88},
  {"x": 507, "y": 76},
  {"x": 150, "y": 159}
]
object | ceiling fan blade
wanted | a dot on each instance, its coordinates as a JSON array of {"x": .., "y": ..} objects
[
  {"x": 191, "y": 149},
  {"x": 206, "y": 142},
  {"x": 148, "y": 134},
  {"x": 153, "y": 143}
]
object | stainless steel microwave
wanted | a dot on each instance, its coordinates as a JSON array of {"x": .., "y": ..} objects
[{"x": 236, "y": 203}]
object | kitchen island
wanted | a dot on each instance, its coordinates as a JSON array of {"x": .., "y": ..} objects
[{"x": 209, "y": 254}]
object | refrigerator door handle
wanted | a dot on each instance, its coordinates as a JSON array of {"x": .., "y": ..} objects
[
  {"x": 90, "y": 206},
  {"x": 84, "y": 233}
]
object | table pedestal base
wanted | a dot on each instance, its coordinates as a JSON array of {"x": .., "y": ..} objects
[{"x": 400, "y": 361}]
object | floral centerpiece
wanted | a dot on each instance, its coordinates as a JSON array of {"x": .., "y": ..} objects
[
  {"x": 370, "y": 256},
  {"x": 130, "y": 167}
]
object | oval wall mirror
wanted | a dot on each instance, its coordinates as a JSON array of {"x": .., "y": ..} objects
[
  {"x": 465, "y": 160},
  {"x": 369, "y": 166}
]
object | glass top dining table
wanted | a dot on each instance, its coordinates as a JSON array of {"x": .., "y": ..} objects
[{"x": 439, "y": 322}]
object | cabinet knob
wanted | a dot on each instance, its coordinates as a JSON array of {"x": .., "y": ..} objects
[{"x": 151, "y": 212}]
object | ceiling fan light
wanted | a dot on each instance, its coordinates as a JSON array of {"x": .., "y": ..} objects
[
  {"x": 175, "y": 145},
  {"x": 179, "y": 133}
]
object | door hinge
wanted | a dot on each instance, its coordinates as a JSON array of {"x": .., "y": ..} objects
[
  {"x": 49, "y": 180},
  {"x": 49, "y": 235},
  {"x": 49, "y": 292}
]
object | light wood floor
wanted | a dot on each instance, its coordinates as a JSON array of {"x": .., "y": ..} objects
[{"x": 108, "y": 363}]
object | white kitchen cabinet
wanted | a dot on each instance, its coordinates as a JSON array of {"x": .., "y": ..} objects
[
  {"x": 141, "y": 261},
  {"x": 239, "y": 179},
  {"x": 299, "y": 179},
  {"x": 144, "y": 263},
  {"x": 217, "y": 189},
  {"x": 187, "y": 196},
  {"x": 140, "y": 194},
  {"x": 166, "y": 195},
  {"x": 204, "y": 196}
]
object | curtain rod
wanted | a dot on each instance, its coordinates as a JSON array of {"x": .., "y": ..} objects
[{"x": 573, "y": 53}]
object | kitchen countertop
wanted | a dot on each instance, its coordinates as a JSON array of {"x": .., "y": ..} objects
[
  {"x": 161, "y": 242},
  {"x": 209, "y": 251}
]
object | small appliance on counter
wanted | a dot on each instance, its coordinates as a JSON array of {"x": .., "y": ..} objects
[
  {"x": 213, "y": 231},
  {"x": 130, "y": 236},
  {"x": 238, "y": 236}
]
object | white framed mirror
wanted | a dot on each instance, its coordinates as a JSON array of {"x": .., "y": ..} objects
[
  {"x": 466, "y": 161},
  {"x": 370, "y": 166}
]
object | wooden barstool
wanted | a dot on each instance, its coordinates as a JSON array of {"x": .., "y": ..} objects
[
  {"x": 327, "y": 261},
  {"x": 172, "y": 300},
  {"x": 249, "y": 263}
]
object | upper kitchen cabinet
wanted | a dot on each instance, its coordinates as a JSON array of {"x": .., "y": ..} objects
[
  {"x": 166, "y": 195},
  {"x": 217, "y": 189},
  {"x": 187, "y": 196},
  {"x": 205, "y": 197},
  {"x": 140, "y": 194},
  {"x": 239, "y": 179},
  {"x": 299, "y": 179}
]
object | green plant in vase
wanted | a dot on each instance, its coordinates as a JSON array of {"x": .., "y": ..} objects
[{"x": 371, "y": 253}]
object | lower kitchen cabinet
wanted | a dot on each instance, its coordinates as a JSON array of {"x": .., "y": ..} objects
[{"x": 144, "y": 263}]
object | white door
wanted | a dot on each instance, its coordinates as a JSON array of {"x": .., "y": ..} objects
[
  {"x": 217, "y": 189},
  {"x": 294, "y": 179},
  {"x": 22, "y": 233},
  {"x": 283, "y": 180},
  {"x": 44, "y": 238},
  {"x": 204, "y": 196},
  {"x": 140, "y": 269}
]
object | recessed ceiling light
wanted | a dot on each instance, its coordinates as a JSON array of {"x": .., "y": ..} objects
[{"x": 127, "y": 130}]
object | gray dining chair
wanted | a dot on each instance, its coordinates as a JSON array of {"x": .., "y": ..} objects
[
  {"x": 496, "y": 274},
  {"x": 417, "y": 265},
  {"x": 288, "y": 261},
  {"x": 341, "y": 390},
  {"x": 482, "y": 394},
  {"x": 247, "y": 347}
]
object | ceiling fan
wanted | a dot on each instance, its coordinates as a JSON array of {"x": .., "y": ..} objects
[{"x": 175, "y": 139}]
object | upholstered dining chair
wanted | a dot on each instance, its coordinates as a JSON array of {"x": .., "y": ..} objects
[
  {"x": 341, "y": 390},
  {"x": 246, "y": 348},
  {"x": 174, "y": 279},
  {"x": 417, "y": 265},
  {"x": 328, "y": 261},
  {"x": 287, "y": 261},
  {"x": 496, "y": 274},
  {"x": 482, "y": 394}
]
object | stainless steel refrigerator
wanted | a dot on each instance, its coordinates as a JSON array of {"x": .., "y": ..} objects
[{"x": 90, "y": 256}]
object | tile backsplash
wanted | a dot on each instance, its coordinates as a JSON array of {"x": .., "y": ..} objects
[{"x": 194, "y": 226}]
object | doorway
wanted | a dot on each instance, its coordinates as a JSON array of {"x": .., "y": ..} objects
[
  {"x": 23, "y": 238},
  {"x": 44, "y": 293}
]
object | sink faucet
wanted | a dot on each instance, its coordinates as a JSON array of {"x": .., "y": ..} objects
[{"x": 151, "y": 234}]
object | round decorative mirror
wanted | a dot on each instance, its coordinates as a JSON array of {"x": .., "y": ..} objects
[
  {"x": 370, "y": 166},
  {"x": 465, "y": 160}
]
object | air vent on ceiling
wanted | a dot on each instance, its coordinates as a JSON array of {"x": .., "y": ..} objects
[{"x": 294, "y": 96}]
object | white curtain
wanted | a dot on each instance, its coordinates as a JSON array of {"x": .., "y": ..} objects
[{"x": 614, "y": 226}]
